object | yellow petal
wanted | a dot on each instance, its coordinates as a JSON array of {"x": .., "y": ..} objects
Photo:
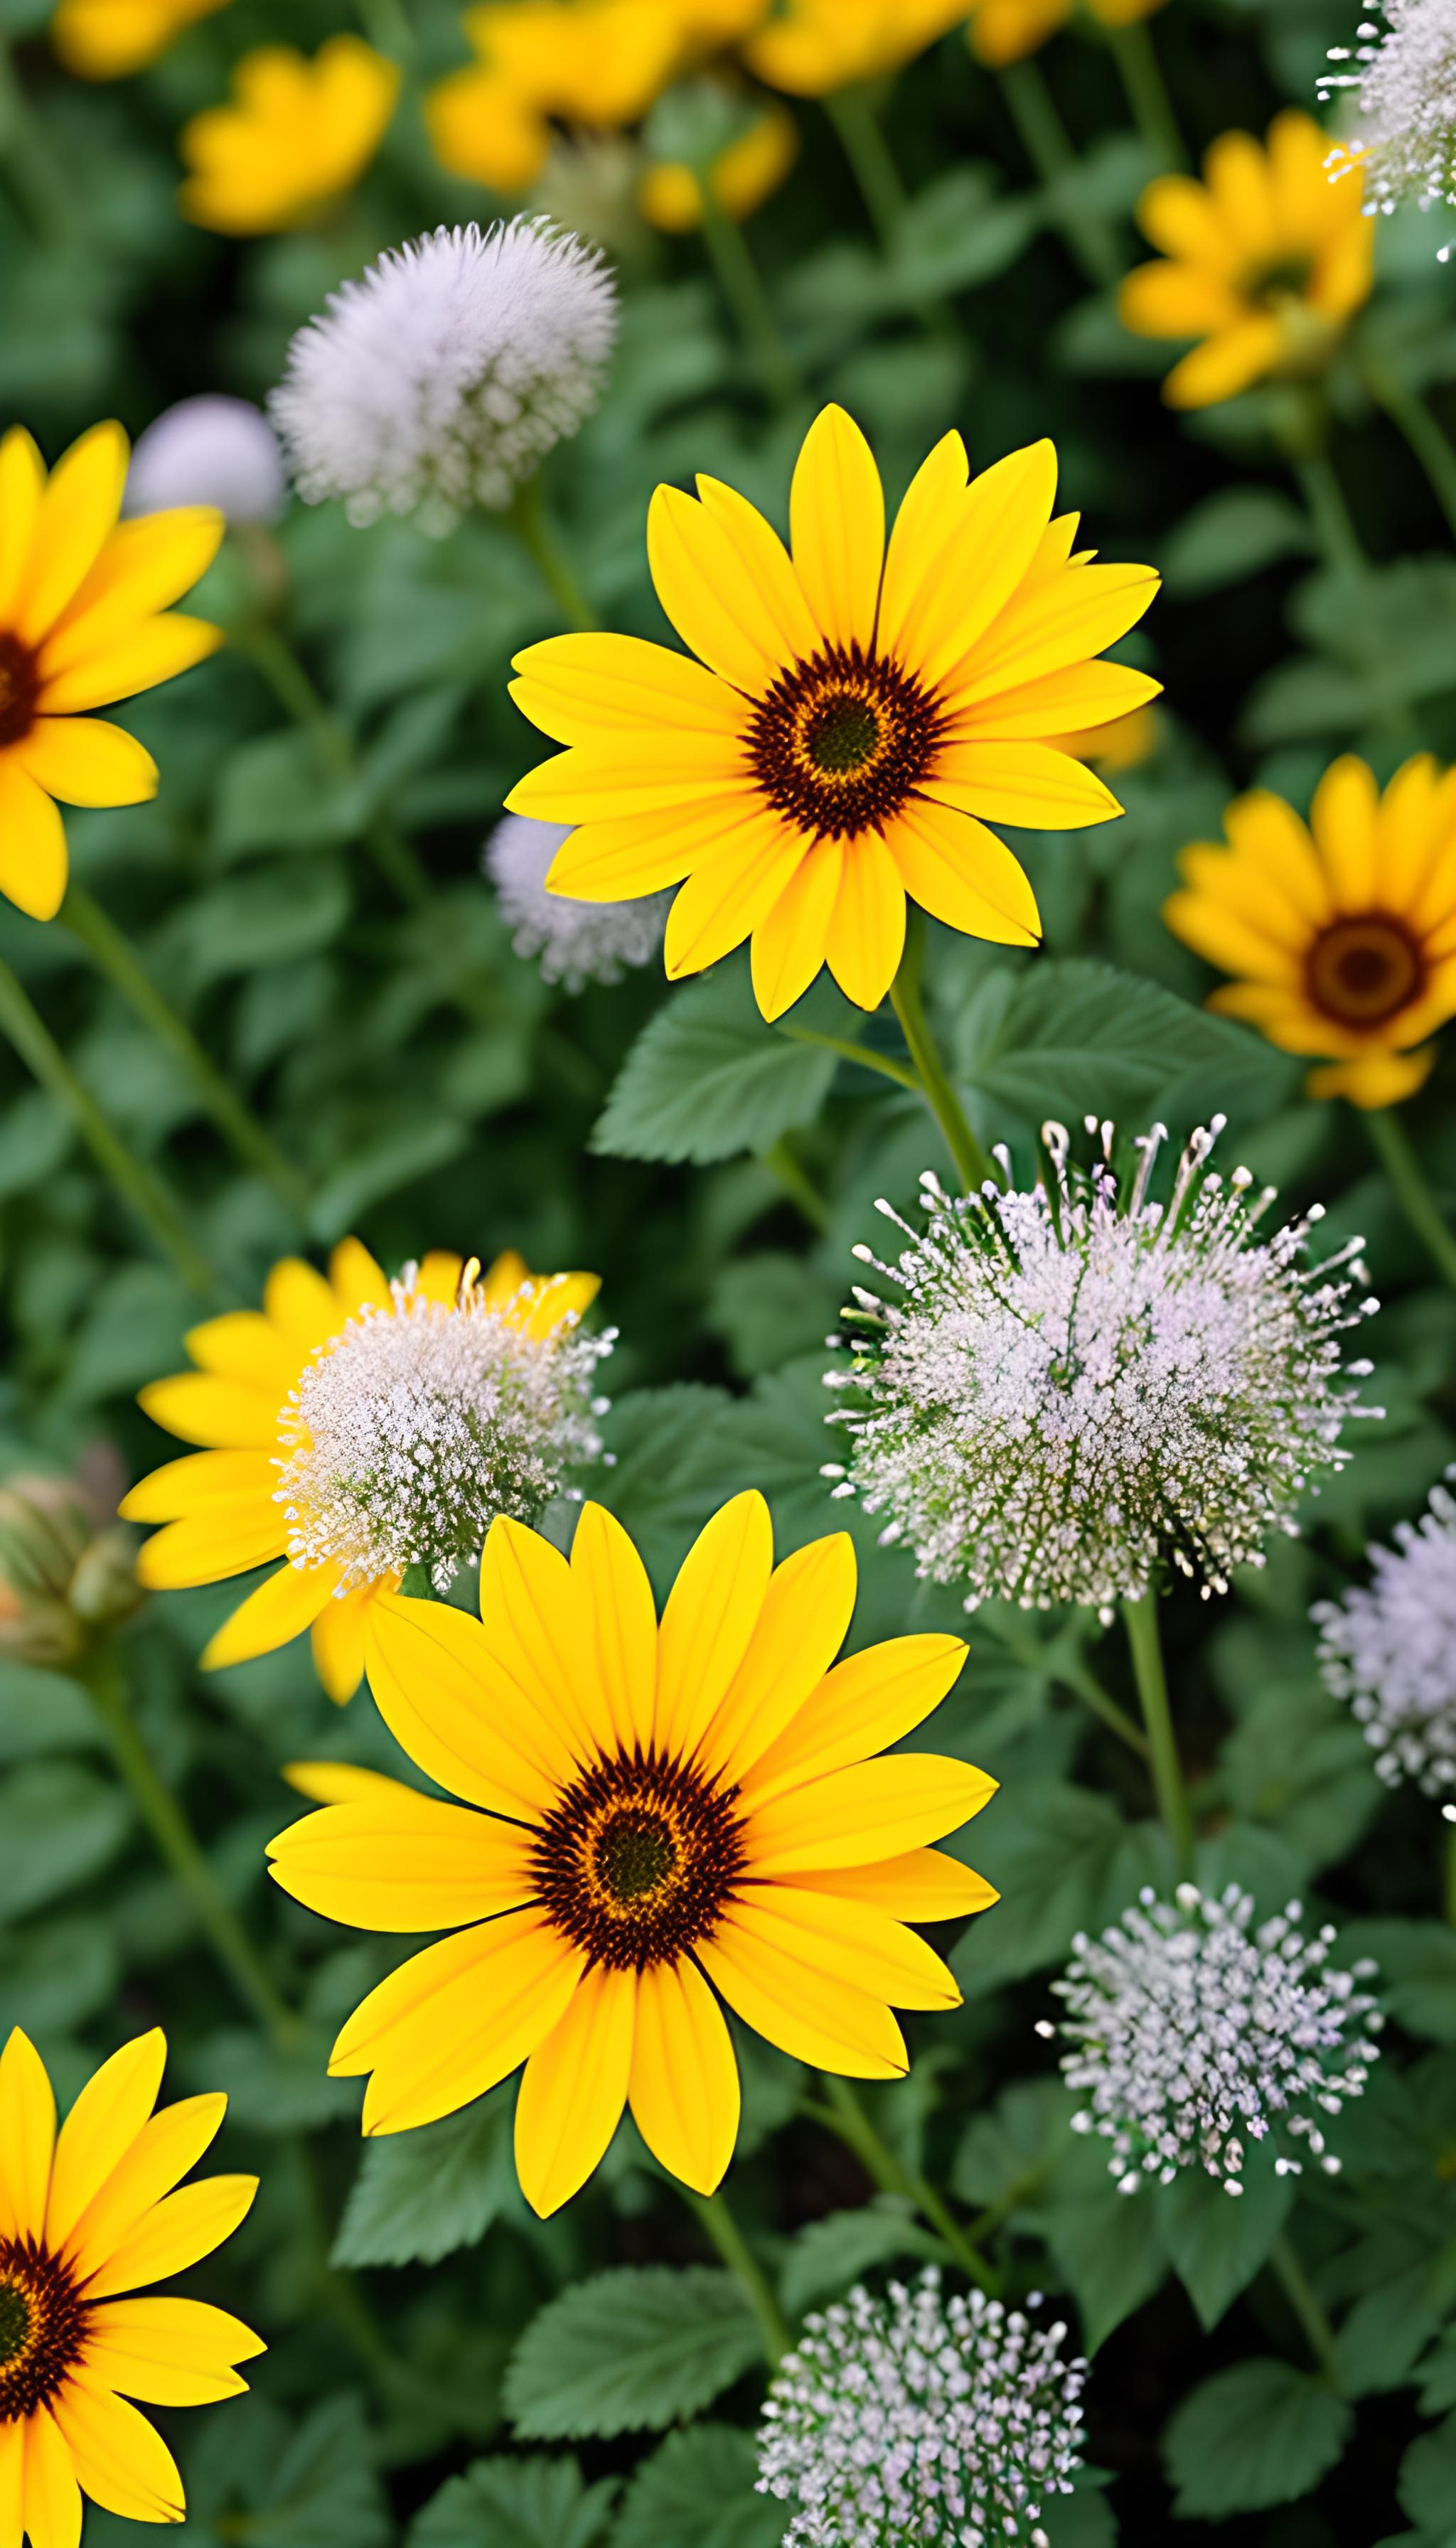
[
  {"x": 27, "y": 2138},
  {"x": 855, "y": 1942},
  {"x": 864, "y": 1705},
  {"x": 866, "y": 930},
  {"x": 765, "y": 571},
  {"x": 336, "y": 1783},
  {"x": 13, "y": 2482},
  {"x": 1067, "y": 702},
  {"x": 925, "y": 527},
  {"x": 145, "y": 566},
  {"x": 702, "y": 583},
  {"x": 52, "y": 2498},
  {"x": 1374, "y": 1079},
  {"x": 711, "y": 1614},
  {"x": 868, "y": 1810},
  {"x": 298, "y": 1300},
  {"x": 685, "y": 2091},
  {"x": 547, "y": 1300},
  {"x": 220, "y": 1414},
  {"x": 924, "y": 1885},
  {"x": 837, "y": 525},
  {"x": 535, "y": 1622},
  {"x": 22, "y": 483},
  {"x": 790, "y": 941},
  {"x": 939, "y": 602},
  {"x": 79, "y": 510},
  {"x": 337, "y": 1638},
  {"x": 1342, "y": 820},
  {"x": 181, "y": 1487},
  {"x": 120, "y": 2459},
  {"x": 398, "y": 1861},
  {"x": 32, "y": 860},
  {"x": 459, "y": 1717},
  {"x": 1167, "y": 300},
  {"x": 734, "y": 888},
  {"x": 1054, "y": 622},
  {"x": 1180, "y": 216},
  {"x": 753, "y": 1960},
  {"x": 1226, "y": 363},
  {"x": 153, "y": 651},
  {"x": 960, "y": 874},
  {"x": 633, "y": 855},
  {"x": 282, "y": 1608},
  {"x": 1280, "y": 863},
  {"x": 1026, "y": 784},
  {"x": 184, "y": 2226},
  {"x": 243, "y": 1345},
  {"x": 167, "y": 2146},
  {"x": 576, "y": 687},
  {"x": 465, "y": 2013},
  {"x": 621, "y": 1623},
  {"x": 101, "y": 2128},
  {"x": 353, "y": 1278},
  {"x": 86, "y": 762},
  {"x": 168, "y": 2352},
  {"x": 229, "y": 1535},
  {"x": 800, "y": 1630},
  {"x": 574, "y": 2090},
  {"x": 1237, "y": 177}
]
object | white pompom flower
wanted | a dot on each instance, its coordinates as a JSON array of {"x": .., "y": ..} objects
[
  {"x": 1401, "y": 142},
  {"x": 1081, "y": 1386},
  {"x": 1389, "y": 1647},
  {"x": 441, "y": 377},
  {"x": 921, "y": 2419},
  {"x": 1193, "y": 2032},
  {"x": 210, "y": 450},
  {"x": 575, "y": 941}
]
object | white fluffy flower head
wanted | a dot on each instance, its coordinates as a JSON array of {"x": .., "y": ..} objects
[
  {"x": 921, "y": 2419},
  {"x": 576, "y": 942},
  {"x": 1400, "y": 145},
  {"x": 1192, "y": 2032},
  {"x": 411, "y": 1430},
  {"x": 1080, "y": 1384},
  {"x": 1389, "y": 1649},
  {"x": 441, "y": 377},
  {"x": 209, "y": 450}
]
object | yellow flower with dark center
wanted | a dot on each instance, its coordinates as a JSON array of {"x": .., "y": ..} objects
[
  {"x": 1006, "y": 30},
  {"x": 750, "y": 169},
  {"x": 813, "y": 46},
  {"x": 83, "y": 621},
  {"x": 296, "y": 135},
  {"x": 1265, "y": 261},
  {"x": 597, "y": 64},
  {"x": 304, "y": 1409},
  {"x": 1343, "y": 933},
  {"x": 105, "y": 38},
  {"x": 86, "y": 2216},
  {"x": 854, "y": 712},
  {"x": 652, "y": 1814}
]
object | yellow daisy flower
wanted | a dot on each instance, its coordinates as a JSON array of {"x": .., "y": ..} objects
[
  {"x": 1265, "y": 261},
  {"x": 297, "y": 1407},
  {"x": 744, "y": 176},
  {"x": 87, "y": 2214},
  {"x": 104, "y": 40},
  {"x": 597, "y": 63},
  {"x": 650, "y": 1814},
  {"x": 298, "y": 134},
  {"x": 853, "y": 713},
  {"x": 1006, "y": 30},
  {"x": 813, "y": 46},
  {"x": 84, "y": 620},
  {"x": 1343, "y": 933}
]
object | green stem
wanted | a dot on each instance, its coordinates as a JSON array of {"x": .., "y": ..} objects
[
  {"x": 862, "y": 138},
  {"x": 1334, "y": 525},
  {"x": 135, "y": 1181},
  {"x": 1048, "y": 145},
  {"x": 1395, "y": 1153},
  {"x": 275, "y": 660},
  {"x": 1152, "y": 1690},
  {"x": 868, "y": 1060},
  {"x": 742, "y": 288},
  {"x": 40, "y": 182},
  {"x": 1451, "y": 1874},
  {"x": 235, "y": 1120},
  {"x": 786, "y": 1164},
  {"x": 529, "y": 522},
  {"x": 1079, "y": 1677},
  {"x": 846, "y": 2116},
  {"x": 1146, "y": 93},
  {"x": 712, "y": 2211},
  {"x": 176, "y": 1841},
  {"x": 386, "y": 24},
  {"x": 1413, "y": 416},
  {"x": 972, "y": 1165},
  {"x": 1298, "y": 2291}
]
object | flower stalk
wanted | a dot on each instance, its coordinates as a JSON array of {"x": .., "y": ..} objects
[
  {"x": 718, "y": 2222},
  {"x": 1153, "y": 1692},
  {"x": 845, "y": 2115},
  {"x": 741, "y": 287},
  {"x": 1299, "y": 2293},
  {"x": 1146, "y": 92},
  {"x": 527, "y": 519},
  {"x": 1048, "y": 146},
  {"x": 973, "y": 1163},
  {"x": 1395, "y": 1151}
]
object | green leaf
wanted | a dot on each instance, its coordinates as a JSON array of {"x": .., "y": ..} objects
[
  {"x": 60, "y": 1823},
  {"x": 324, "y": 2492},
  {"x": 265, "y": 918},
  {"x": 42, "y": 1711},
  {"x": 1261, "y": 2433},
  {"x": 698, "y": 2488},
  {"x": 706, "y": 1078},
  {"x": 397, "y": 1155},
  {"x": 654, "y": 1485},
  {"x": 1387, "y": 2330},
  {"x": 421, "y": 2194},
  {"x": 1232, "y": 535},
  {"x": 1074, "y": 1038},
  {"x": 1011, "y": 2146},
  {"x": 629, "y": 2351},
  {"x": 1218, "y": 2241},
  {"x": 828, "y": 2256},
  {"x": 768, "y": 1307},
  {"x": 533, "y": 2502},
  {"x": 1426, "y": 2487},
  {"x": 1061, "y": 1859},
  {"x": 1417, "y": 1972},
  {"x": 58, "y": 1976},
  {"x": 1110, "y": 2256},
  {"x": 278, "y": 793},
  {"x": 36, "y": 1135}
]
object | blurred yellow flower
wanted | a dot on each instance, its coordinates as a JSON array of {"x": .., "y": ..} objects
[
  {"x": 812, "y": 47},
  {"x": 1006, "y": 30},
  {"x": 743, "y": 176},
  {"x": 105, "y": 38},
  {"x": 1123, "y": 743},
  {"x": 298, "y": 134},
  {"x": 1342, "y": 932},
  {"x": 83, "y": 620},
  {"x": 597, "y": 63},
  {"x": 1265, "y": 261}
]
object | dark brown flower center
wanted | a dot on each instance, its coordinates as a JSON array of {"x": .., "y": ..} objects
[
  {"x": 638, "y": 1859},
  {"x": 1362, "y": 972},
  {"x": 20, "y": 687},
  {"x": 43, "y": 2327},
  {"x": 840, "y": 742},
  {"x": 1278, "y": 278}
]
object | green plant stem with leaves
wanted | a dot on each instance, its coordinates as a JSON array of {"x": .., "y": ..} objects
[
  {"x": 139, "y": 1185},
  {"x": 527, "y": 518},
  {"x": 1395, "y": 1151},
  {"x": 104, "y": 1675},
  {"x": 855, "y": 112},
  {"x": 1306, "y": 2307},
  {"x": 741, "y": 287},
  {"x": 236, "y": 1121},
  {"x": 1089, "y": 238},
  {"x": 718, "y": 2222},
  {"x": 387, "y": 25},
  {"x": 1147, "y": 91},
  {"x": 1412, "y": 416},
  {"x": 845, "y": 2115},
  {"x": 782, "y": 1161},
  {"x": 1153, "y": 1692},
  {"x": 973, "y": 1163}
]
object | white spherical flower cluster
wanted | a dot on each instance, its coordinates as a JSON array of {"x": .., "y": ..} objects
[
  {"x": 219, "y": 451},
  {"x": 1400, "y": 144},
  {"x": 414, "y": 1427},
  {"x": 917, "y": 2419},
  {"x": 1389, "y": 1649},
  {"x": 1082, "y": 1384},
  {"x": 440, "y": 378},
  {"x": 1191, "y": 2032},
  {"x": 576, "y": 941}
]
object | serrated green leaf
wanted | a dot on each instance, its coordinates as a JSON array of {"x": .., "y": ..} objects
[
  {"x": 630, "y": 2351},
  {"x": 533, "y": 2502},
  {"x": 700, "y": 2488},
  {"x": 828, "y": 2256},
  {"x": 324, "y": 2492},
  {"x": 1074, "y": 1038},
  {"x": 419, "y": 2195},
  {"x": 1063, "y": 1859},
  {"x": 707, "y": 1079},
  {"x": 1111, "y": 2257},
  {"x": 1261, "y": 2433},
  {"x": 1218, "y": 2241}
]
